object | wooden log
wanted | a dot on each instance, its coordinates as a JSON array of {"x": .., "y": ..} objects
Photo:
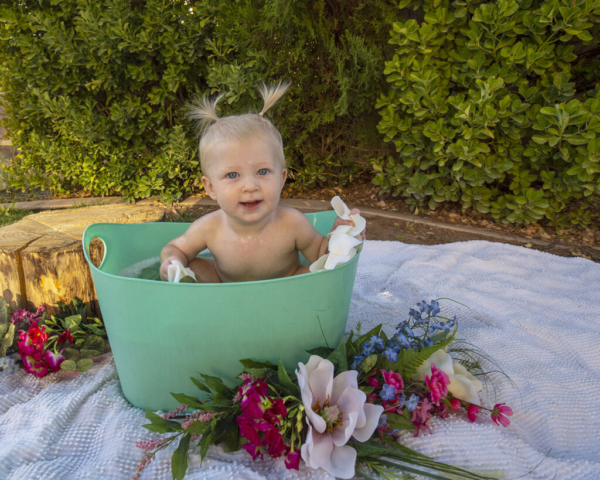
[{"x": 41, "y": 256}]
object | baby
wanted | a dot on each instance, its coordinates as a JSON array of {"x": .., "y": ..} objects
[{"x": 251, "y": 237}]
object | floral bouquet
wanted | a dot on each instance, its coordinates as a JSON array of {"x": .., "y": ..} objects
[
  {"x": 49, "y": 343},
  {"x": 344, "y": 410}
]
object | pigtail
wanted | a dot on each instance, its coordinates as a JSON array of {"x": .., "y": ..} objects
[
  {"x": 271, "y": 94},
  {"x": 203, "y": 111}
]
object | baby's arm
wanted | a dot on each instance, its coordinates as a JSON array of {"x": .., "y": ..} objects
[{"x": 185, "y": 247}]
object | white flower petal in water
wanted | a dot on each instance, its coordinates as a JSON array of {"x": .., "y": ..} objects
[
  {"x": 340, "y": 208},
  {"x": 351, "y": 417},
  {"x": 333, "y": 259},
  {"x": 359, "y": 225},
  {"x": 176, "y": 271},
  {"x": 319, "y": 264},
  {"x": 341, "y": 229},
  {"x": 342, "y": 243}
]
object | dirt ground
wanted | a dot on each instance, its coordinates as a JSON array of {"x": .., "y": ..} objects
[{"x": 580, "y": 243}]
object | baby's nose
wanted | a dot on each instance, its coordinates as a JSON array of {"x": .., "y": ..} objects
[{"x": 250, "y": 184}]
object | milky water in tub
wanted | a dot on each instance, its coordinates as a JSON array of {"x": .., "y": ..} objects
[{"x": 149, "y": 269}]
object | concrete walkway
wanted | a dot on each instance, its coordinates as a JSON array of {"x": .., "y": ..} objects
[{"x": 302, "y": 205}]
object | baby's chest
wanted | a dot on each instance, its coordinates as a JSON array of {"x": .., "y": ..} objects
[{"x": 255, "y": 258}]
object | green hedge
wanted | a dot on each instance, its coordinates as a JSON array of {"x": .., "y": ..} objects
[
  {"x": 95, "y": 88},
  {"x": 495, "y": 105}
]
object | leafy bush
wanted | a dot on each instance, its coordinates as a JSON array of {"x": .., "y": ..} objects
[
  {"x": 333, "y": 53},
  {"x": 95, "y": 88},
  {"x": 493, "y": 105},
  {"x": 93, "y": 91}
]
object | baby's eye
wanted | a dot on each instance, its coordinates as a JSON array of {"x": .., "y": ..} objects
[
  {"x": 232, "y": 175},
  {"x": 263, "y": 171}
]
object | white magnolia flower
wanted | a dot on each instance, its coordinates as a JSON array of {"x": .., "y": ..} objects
[
  {"x": 335, "y": 411},
  {"x": 176, "y": 271},
  {"x": 343, "y": 240},
  {"x": 344, "y": 213},
  {"x": 463, "y": 385}
]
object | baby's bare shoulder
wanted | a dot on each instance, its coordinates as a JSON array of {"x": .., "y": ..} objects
[
  {"x": 291, "y": 217},
  {"x": 205, "y": 224}
]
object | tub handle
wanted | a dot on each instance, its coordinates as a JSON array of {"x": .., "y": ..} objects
[{"x": 88, "y": 236}]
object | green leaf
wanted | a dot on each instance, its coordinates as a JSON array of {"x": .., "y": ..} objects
[
  {"x": 322, "y": 352},
  {"x": 179, "y": 462},
  {"x": 205, "y": 442},
  {"x": 157, "y": 428},
  {"x": 399, "y": 422},
  {"x": 94, "y": 342},
  {"x": 158, "y": 420},
  {"x": 4, "y": 316},
  {"x": 338, "y": 358},
  {"x": 215, "y": 383},
  {"x": 71, "y": 354},
  {"x": 200, "y": 385},
  {"x": 184, "y": 399},
  {"x": 7, "y": 340},
  {"x": 72, "y": 321},
  {"x": 84, "y": 364},
  {"x": 368, "y": 363},
  {"x": 286, "y": 381},
  {"x": 68, "y": 365},
  {"x": 85, "y": 353}
]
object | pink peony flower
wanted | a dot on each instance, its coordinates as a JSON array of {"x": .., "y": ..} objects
[
  {"x": 421, "y": 416},
  {"x": 498, "y": 414},
  {"x": 437, "y": 384},
  {"x": 394, "y": 379},
  {"x": 472, "y": 412}
]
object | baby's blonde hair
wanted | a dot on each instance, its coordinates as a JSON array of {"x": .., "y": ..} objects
[{"x": 214, "y": 130}]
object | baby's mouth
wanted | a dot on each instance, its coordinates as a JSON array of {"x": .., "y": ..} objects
[{"x": 251, "y": 205}]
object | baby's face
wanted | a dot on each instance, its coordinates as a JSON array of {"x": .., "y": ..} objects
[{"x": 246, "y": 179}]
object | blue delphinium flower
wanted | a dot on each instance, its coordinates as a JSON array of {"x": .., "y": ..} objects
[
  {"x": 401, "y": 400},
  {"x": 434, "y": 308},
  {"x": 358, "y": 359},
  {"x": 390, "y": 354},
  {"x": 382, "y": 421},
  {"x": 367, "y": 349},
  {"x": 388, "y": 392},
  {"x": 413, "y": 402},
  {"x": 376, "y": 342},
  {"x": 402, "y": 340}
]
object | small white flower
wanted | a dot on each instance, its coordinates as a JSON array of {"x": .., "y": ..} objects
[{"x": 463, "y": 385}]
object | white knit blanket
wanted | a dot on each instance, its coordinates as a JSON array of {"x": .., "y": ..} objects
[{"x": 536, "y": 314}]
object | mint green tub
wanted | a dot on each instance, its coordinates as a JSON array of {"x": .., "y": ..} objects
[{"x": 162, "y": 333}]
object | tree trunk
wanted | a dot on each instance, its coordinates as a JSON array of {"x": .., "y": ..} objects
[{"x": 41, "y": 256}]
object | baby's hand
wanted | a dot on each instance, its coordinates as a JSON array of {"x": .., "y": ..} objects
[
  {"x": 339, "y": 221},
  {"x": 164, "y": 266}
]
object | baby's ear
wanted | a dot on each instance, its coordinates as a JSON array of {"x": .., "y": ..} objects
[
  {"x": 283, "y": 177},
  {"x": 208, "y": 187}
]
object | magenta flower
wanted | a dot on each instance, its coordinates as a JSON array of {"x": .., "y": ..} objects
[
  {"x": 373, "y": 382},
  {"x": 472, "y": 412},
  {"x": 437, "y": 384},
  {"x": 455, "y": 404},
  {"x": 292, "y": 461},
  {"x": 394, "y": 379},
  {"x": 35, "y": 367},
  {"x": 53, "y": 360},
  {"x": 498, "y": 414}
]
